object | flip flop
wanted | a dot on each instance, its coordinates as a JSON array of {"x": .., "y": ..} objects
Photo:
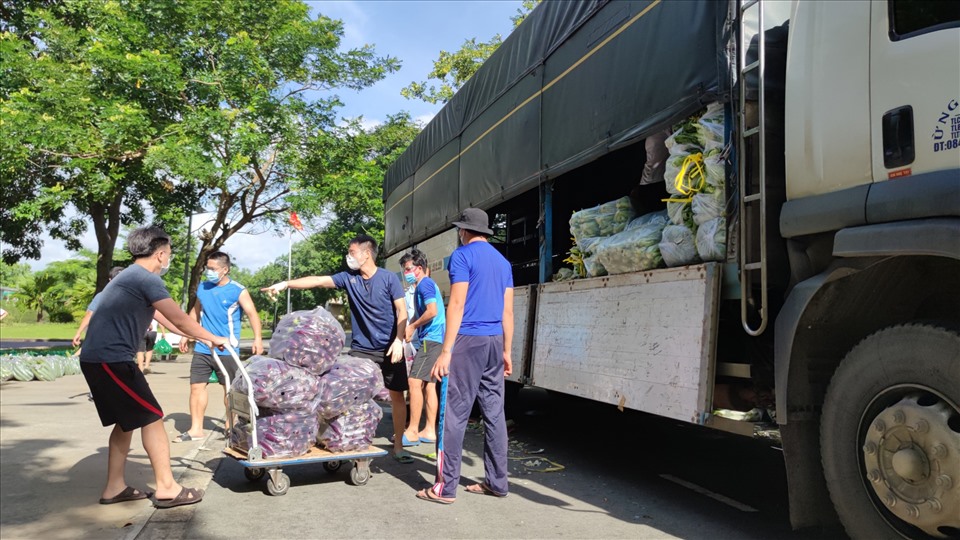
[
  {"x": 483, "y": 489},
  {"x": 403, "y": 457},
  {"x": 185, "y": 497},
  {"x": 185, "y": 437},
  {"x": 128, "y": 494},
  {"x": 427, "y": 495}
]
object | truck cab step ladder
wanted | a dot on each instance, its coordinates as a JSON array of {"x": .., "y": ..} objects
[{"x": 753, "y": 315}]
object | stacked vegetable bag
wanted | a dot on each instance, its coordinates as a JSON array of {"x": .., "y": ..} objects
[
  {"x": 306, "y": 384},
  {"x": 591, "y": 225},
  {"x": 25, "y": 368},
  {"x": 695, "y": 178}
]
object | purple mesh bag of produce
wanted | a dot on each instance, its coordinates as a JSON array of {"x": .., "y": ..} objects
[
  {"x": 350, "y": 382},
  {"x": 308, "y": 339},
  {"x": 279, "y": 434},
  {"x": 278, "y": 385},
  {"x": 352, "y": 430}
]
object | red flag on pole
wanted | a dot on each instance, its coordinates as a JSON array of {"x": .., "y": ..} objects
[{"x": 295, "y": 221}]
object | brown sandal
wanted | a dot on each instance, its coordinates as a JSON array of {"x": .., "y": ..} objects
[
  {"x": 483, "y": 489},
  {"x": 186, "y": 496}
]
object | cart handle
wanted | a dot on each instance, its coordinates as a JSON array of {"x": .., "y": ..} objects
[{"x": 246, "y": 377}]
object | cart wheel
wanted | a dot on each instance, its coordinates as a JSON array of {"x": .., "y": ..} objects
[
  {"x": 360, "y": 474},
  {"x": 254, "y": 473},
  {"x": 332, "y": 466},
  {"x": 278, "y": 486}
]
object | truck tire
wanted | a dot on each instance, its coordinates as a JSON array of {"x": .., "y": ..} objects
[{"x": 890, "y": 435}]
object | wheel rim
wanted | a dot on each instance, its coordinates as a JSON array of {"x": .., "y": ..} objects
[{"x": 910, "y": 444}]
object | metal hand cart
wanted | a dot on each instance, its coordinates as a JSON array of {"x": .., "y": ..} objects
[{"x": 256, "y": 466}]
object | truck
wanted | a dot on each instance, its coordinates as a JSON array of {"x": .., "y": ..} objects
[{"x": 834, "y": 309}]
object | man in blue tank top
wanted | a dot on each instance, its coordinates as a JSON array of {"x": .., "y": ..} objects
[
  {"x": 219, "y": 303},
  {"x": 475, "y": 357},
  {"x": 378, "y": 317}
]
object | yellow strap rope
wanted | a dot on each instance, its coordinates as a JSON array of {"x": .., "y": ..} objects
[{"x": 692, "y": 176}]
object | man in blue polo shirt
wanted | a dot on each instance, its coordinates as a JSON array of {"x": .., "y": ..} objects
[
  {"x": 378, "y": 317},
  {"x": 219, "y": 303},
  {"x": 475, "y": 357}
]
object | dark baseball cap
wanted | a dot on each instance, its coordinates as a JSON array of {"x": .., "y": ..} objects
[{"x": 474, "y": 219}]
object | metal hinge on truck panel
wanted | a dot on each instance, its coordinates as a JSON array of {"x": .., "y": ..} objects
[{"x": 756, "y": 220}]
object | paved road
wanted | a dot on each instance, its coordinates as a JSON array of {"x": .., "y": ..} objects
[{"x": 577, "y": 471}]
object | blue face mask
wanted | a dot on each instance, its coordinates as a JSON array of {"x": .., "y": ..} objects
[
  {"x": 411, "y": 279},
  {"x": 213, "y": 276}
]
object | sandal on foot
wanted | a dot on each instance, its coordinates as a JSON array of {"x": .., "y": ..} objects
[
  {"x": 186, "y": 437},
  {"x": 128, "y": 494},
  {"x": 483, "y": 489},
  {"x": 403, "y": 457},
  {"x": 427, "y": 495},
  {"x": 186, "y": 496}
]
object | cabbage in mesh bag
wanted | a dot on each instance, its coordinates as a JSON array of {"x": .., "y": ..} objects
[
  {"x": 45, "y": 369},
  {"x": 603, "y": 220},
  {"x": 21, "y": 370},
  {"x": 6, "y": 368},
  {"x": 678, "y": 246},
  {"x": 636, "y": 248},
  {"x": 707, "y": 206},
  {"x": 590, "y": 263},
  {"x": 712, "y": 240}
]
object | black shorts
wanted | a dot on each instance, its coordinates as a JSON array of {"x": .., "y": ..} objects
[
  {"x": 121, "y": 394},
  {"x": 148, "y": 341},
  {"x": 203, "y": 365},
  {"x": 394, "y": 375},
  {"x": 424, "y": 361}
]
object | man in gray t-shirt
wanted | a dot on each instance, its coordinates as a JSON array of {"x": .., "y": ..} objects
[{"x": 119, "y": 389}]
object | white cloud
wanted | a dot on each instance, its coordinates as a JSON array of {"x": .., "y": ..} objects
[
  {"x": 354, "y": 19},
  {"x": 424, "y": 119}
]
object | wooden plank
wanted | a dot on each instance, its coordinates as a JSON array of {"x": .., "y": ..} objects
[
  {"x": 641, "y": 340},
  {"x": 314, "y": 454},
  {"x": 518, "y": 349}
]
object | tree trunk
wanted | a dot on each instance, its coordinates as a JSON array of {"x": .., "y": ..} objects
[{"x": 106, "y": 225}]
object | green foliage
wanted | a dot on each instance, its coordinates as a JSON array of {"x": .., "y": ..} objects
[
  {"x": 35, "y": 292},
  {"x": 452, "y": 69},
  {"x": 10, "y": 274},
  {"x": 351, "y": 164},
  {"x": 117, "y": 107}
]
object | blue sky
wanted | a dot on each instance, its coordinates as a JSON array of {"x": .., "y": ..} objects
[{"x": 414, "y": 32}]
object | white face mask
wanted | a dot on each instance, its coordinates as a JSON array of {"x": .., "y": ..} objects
[
  {"x": 165, "y": 269},
  {"x": 353, "y": 263},
  {"x": 213, "y": 276}
]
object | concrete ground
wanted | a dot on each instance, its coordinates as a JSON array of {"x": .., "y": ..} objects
[{"x": 53, "y": 456}]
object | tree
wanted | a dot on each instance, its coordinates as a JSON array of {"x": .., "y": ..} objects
[
  {"x": 35, "y": 292},
  {"x": 83, "y": 96},
  {"x": 349, "y": 198},
  {"x": 110, "y": 105},
  {"x": 452, "y": 69}
]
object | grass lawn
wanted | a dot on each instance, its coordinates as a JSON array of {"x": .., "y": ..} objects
[{"x": 65, "y": 331}]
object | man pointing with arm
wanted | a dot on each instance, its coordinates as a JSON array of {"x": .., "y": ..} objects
[{"x": 378, "y": 317}]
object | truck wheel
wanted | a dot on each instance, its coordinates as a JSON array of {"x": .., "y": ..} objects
[{"x": 890, "y": 435}]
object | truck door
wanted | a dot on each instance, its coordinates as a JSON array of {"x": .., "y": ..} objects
[{"x": 914, "y": 87}]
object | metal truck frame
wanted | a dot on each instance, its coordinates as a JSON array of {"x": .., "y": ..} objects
[{"x": 838, "y": 304}]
